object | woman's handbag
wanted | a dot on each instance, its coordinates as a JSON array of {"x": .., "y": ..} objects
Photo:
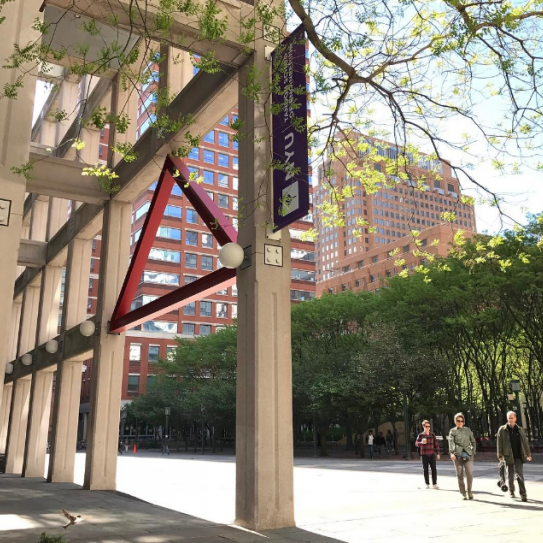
[{"x": 465, "y": 456}]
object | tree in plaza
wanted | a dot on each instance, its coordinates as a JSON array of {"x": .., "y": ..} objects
[
  {"x": 204, "y": 370},
  {"x": 327, "y": 335}
]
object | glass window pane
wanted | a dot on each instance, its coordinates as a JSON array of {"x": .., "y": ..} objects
[
  {"x": 205, "y": 329},
  {"x": 135, "y": 352},
  {"x": 209, "y": 177},
  {"x": 209, "y": 156},
  {"x": 190, "y": 260},
  {"x": 191, "y": 238},
  {"x": 210, "y": 137},
  {"x": 207, "y": 262},
  {"x": 223, "y": 180},
  {"x": 154, "y": 351},
  {"x": 188, "y": 329},
  {"x": 223, "y": 139}
]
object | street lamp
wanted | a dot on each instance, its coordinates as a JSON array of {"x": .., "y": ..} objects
[
  {"x": 407, "y": 430},
  {"x": 515, "y": 387},
  {"x": 167, "y": 411}
]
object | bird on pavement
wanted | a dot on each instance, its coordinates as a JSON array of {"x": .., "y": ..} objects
[{"x": 72, "y": 518}]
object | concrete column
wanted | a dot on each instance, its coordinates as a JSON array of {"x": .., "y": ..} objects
[
  {"x": 5, "y": 408},
  {"x": 68, "y": 379},
  {"x": 264, "y": 458},
  {"x": 14, "y": 326},
  {"x": 58, "y": 215},
  {"x": 39, "y": 219},
  {"x": 15, "y": 132},
  {"x": 38, "y": 424},
  {"x": 29, "y": 319},
  {"x": 42, "y": 381},
  {"x": 107, "y": 362},
  {"x": 17, "y": 425}
]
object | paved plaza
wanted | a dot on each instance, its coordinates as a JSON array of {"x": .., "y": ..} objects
[{"x": 184, "y": 497}]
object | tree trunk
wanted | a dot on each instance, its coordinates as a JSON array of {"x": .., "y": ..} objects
[
  {"x": 350, "y": 444},
  {"x": 322, "y": 439},
  {"x": 195, "y": 438}
]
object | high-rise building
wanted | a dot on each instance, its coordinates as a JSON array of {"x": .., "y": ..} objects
[{"x": 355, "y": 256}]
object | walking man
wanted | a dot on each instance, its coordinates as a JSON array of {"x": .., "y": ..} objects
[
  {"x": 390, "y": 441},
  {"x": 369, "y": 441},
  {"x": 429, "y": 449},
  {"x": 380, "y": 442},
  {"x": 514, "y": 449}
]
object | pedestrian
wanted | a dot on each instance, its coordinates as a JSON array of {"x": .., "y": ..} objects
[
  {"x": 120, "y": 447},
  {"x": 380, "y": 442},
  {"x": 462, "y": 449},
  {"x": 390, "y": 441},
  {"x": 369, "y": 442},
  {"x": 429, "y": 451},
  {"x": 514, "y": 449}
]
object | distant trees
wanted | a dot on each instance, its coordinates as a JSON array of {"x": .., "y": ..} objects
[{"x": 450, "y": 339}]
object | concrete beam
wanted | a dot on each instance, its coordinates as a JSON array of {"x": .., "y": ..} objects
[
  {"x": 73, "y": 346},
  {"x": 207, "y": 98},
  {"x": 62, "y": 178},
  {"x": 183, "y": 32},
  {"x": 32, "y": 253}
]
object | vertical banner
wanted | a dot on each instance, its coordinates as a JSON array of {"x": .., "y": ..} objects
[{"x": 289, "y": 129}]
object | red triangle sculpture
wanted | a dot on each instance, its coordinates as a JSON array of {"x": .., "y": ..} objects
[{"x": 173, "y": 171}]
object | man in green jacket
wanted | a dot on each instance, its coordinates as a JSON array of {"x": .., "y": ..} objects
[{"x": 514, "y": 449}]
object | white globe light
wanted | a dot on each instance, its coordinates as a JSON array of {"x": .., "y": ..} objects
[
  {"x": 231, "y": 255},
  {"x": 26, "y": 359},
  {"x": 9, "y": 368},
  {"x": 51, "y": 346},
  {"x": 87, "y": 328}
]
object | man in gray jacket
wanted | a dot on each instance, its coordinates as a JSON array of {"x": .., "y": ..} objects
[{"x": 514, "y": 449}]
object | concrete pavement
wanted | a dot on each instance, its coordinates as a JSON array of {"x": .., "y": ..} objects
[{"x": 335, "y": 500}]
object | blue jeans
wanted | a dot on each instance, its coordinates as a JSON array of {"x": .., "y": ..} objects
[{"x": 371, "y": 450}]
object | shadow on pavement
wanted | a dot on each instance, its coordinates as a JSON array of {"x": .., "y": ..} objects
[{"x": 29, "y": 507}]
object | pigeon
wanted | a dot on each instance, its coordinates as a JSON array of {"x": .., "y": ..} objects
[{"x": 73, "y": 519}]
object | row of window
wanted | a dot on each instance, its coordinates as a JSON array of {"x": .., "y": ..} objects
[{"x": 189, "y": 328}]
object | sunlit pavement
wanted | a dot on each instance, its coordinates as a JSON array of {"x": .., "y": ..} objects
[{"x": 347, "y": 500}]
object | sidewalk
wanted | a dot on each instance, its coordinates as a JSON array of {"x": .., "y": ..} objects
[{"x": 29, "y": 507}]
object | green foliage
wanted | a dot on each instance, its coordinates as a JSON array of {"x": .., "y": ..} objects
[
  {"x": 126, "y": 150},
  {"x": 105, "y": 177},
  {"x": 44, "y": 538},
  {"x": 24, "y": 170}
]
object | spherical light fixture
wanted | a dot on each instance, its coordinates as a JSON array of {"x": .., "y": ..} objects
[
  {"x": 26, "y": 359},
  {"x": 9, "y": 368},
  {"x": 51, "y": 346},
  {"x": 87, "y": 328},
  {"x": 231, "y": 255}
]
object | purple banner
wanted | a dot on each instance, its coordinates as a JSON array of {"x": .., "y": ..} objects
[{"x": 290, "y": 146}]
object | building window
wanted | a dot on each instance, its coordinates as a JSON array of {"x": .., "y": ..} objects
[
  {"x": 209, "y": 156},
  {"x": 159, "y": 326},
  {"x": 154, "y": 353},
  {"x": 151, "y": 381},
  {"x": 302, "y": 275},
  {"x": 192, "y": 216},
  {"x": 165, "y": 255},
  {"x": 223, "y": 180},
  {"x": 170, "y": 352},
  {"x": 168, "y": 232},
  {"x": 235, "y": 163},
  {"x": 210, "y": 137},
  {"x": 189, "y": 329},
  {"x": 134, "y": 352},
  {"x": 142, "y": 210},
  {"x": 176, "y": 190},
  {"x": 194, "y": 172},
  {"x": 207, "y": 241},
  {"x": 160, "y": 278},
  {"x": 207, "y": 262},
  {"x": 209, "y": 177},
  {"x": 406, "y": 248},
  {"x": 450, "y": 187},
  {"x": 191, "y": 238},
  {"x": 173, "y": 211},
  {"x": 190, "y": 279},
  {"x": 133, "y": 384},
  {"x": 225, "y": 121},
  {"x": 224, "y": 160},
  {"x": 234, "y": 311},
  {"x": 100, "y": 150},
  {"x": 223, "y": 200},
  {"x": 190, "y": 309},
  {"x": 223, "y": 139},
  {"x": 221, "y": 311},
  {"x": 374, "y": 259},
  {"x": 234, "y": 203},
  {"x": 205, "y": 329},
  {"x": 191, "y": 261},
  {"x": 235, "y": 182},
  {"x": 194, "y": 153},
  {"x": 205, "y": 309}
]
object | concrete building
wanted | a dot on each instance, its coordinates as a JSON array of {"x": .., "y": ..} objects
[
  {"x": 51, "y": 215},
  {"x": 353, "y": 257}
]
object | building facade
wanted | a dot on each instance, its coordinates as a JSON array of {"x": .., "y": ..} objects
[{"x": 354, "y": 257}]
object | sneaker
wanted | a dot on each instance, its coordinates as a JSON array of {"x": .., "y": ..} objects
[
  {"x": 427, "y": 487},
  {"x": 436, "y": 487},
  {"x": 524, "y": 498},
  {"x": 470, "y": 495},
  {"x": 512, "y": 494},
  {"x": 464, "y": 496}
]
